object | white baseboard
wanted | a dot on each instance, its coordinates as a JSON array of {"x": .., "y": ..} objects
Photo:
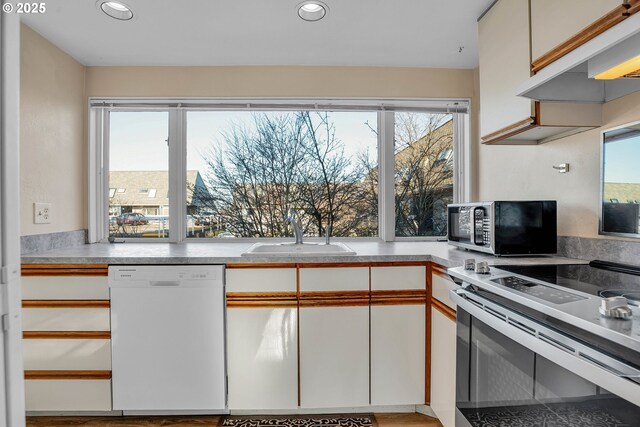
[
  {"x": 74, "y": 413},
  {"x": 187, "y": 412},
  {"x": 320, "y": 411},
  {"x": 425, "y": 410}
]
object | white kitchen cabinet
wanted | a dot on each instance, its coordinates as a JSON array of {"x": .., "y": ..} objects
[
  {"x": 68, "y": 395},
  {"x": 262, "y": 358},
  {"x": 443, "y": 367},
  {"x": 334, "y": 357},
  {"x": 65, "y": 288},
  {"x": 555, "y": 21},
  {"x": 260, "y": 279},
  {"x": 67, "y": 354},
  {"x": 398, "y": 354},
  {"x": 334, "y": 279},
  {"x": 504, "y": 49},
  {"x": 504, "y": 61},
  {"x": 398, "y": 278},
  {"x": 398, "y": 335},
  {"x": 65, "y": 319},
  {"x": 441, "y": 285}
]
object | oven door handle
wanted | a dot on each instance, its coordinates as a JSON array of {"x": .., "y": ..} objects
[{"x": 600, "y": 369}]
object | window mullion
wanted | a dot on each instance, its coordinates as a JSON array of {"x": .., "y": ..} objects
[
  {"x": 386, "y": 173},
  {"x": 177, "y": 175}
]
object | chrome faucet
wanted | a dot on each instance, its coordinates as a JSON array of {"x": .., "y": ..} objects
[{"x": 293, "y": 219}]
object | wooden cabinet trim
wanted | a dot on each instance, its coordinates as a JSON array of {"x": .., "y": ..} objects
[
  {"x": 439, "y": 270},
  {"x": 66, "y": 304},
  {"x": 254, "y": 265},
  {"x": 444, "y": 309},
  {"x": 345, "y": 302},
  {"x": 79, "y": 335},
  {"x": 65, "y": 270},
  {"x": 509, "y": 131},
  {"x": 267, "y": 296},
  {"x": 399, "y": 301},
  {"x": 598, "y": 27},
  {"x": 67, "y": 375},
  {"x": 333, "y": 295}
]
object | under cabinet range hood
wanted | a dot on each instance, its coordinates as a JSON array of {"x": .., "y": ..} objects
[{"x": 575, "y": 77}]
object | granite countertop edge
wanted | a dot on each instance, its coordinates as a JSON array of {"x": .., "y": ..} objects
[{"x": 230, "y": 253}]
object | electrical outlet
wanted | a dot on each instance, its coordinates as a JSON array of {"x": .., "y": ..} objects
[{"x": 42, "y": 213}]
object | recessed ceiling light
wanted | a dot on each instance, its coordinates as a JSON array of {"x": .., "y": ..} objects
[
  {"x": 116, "y": 10},
  {"x": 312, "y": 10}
]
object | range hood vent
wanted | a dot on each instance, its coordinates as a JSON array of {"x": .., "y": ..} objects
[{"x": 570, "y": 78}]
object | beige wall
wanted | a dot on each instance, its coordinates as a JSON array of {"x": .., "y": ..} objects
[
  {"x": 277, "y": 81},
  {"x": 52, "y": 143},
  {"x": 525, "y": 172},
  {"x": 54, "y": 89}
]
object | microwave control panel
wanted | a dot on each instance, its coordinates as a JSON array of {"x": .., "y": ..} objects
[{"x": 481, "y": 225}]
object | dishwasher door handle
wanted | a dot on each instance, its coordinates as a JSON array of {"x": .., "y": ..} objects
[{"x": 164, "y": 283}]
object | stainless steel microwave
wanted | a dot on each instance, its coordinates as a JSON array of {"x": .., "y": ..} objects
[{"x": 504, "y": 227}]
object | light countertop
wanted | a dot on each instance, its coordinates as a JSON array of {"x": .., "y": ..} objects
[{"x": 230, "y": 253}]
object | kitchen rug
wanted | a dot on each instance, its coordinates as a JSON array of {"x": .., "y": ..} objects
[{"x": 360, "y": 420}]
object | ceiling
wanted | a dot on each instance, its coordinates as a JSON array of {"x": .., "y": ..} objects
[{"x": 402, "y": 33}]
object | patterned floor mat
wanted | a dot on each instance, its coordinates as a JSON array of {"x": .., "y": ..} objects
[{"x": 302, "y": 421}]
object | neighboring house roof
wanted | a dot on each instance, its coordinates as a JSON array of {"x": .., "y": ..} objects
[
  {"x": 621, "y": 192},
  {"x": 146, "y": 188}
]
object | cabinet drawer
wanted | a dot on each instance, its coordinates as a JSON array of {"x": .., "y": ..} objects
[
  {"x": 440, "y": 287},
  {"x": 65, "y": 319},
  {"x": 392, "y": 278},
  {"x": 67, "y": 354},
  {"x": 68, "y": 395},
  {"x": 334, "y": 279},
  {"x": 65, "y": 288},
  {"x": 261, "y": 279}
]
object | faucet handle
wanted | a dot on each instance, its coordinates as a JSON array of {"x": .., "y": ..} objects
[{"x": 327, "y": 234}]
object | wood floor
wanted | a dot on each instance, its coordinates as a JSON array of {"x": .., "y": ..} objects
[{"x": 384, "y": 420}]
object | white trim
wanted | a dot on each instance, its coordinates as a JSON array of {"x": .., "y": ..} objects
[
  {"x": 461, "y": 158},
  {"x": 100, "y": 108},
  {"x": 177, "y": 175},
  {"x": 11, "y": 363},
  {"x": 386, "y": 177}
]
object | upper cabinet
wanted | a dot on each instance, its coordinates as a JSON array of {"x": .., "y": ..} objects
[
  {"x": 505, "y": 62},
  {"x": 553, "y": 22}
]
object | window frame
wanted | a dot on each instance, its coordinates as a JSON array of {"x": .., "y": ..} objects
[{"x": 98, "y": 154}]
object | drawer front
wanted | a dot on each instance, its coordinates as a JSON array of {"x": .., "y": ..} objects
[
  {"x": 67, "y": 354},
  {"x": 65, "y": 288},
  {"x": 440, "y": 287},
  {"x": 334, "y": 279},
  {"x": 65, "y": 319},
  {"x": 68, "y": 395},
  {"x": 261, "y": 279},
  {"x": 393, "y": 278}
]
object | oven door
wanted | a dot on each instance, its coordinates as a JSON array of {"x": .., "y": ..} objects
[{"x": 511, "y": 370}]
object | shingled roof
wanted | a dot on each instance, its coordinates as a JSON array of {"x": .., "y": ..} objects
[
  {"x": 622, "y": 192},
  {"x": 146, "y": 188}
]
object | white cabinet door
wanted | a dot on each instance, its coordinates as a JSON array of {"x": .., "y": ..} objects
[
  {"x": 503, "y": 45},
  {"x": 262, "y": 354},
  {"x": 443, "y": 367},
  {"x": 397, "y": 354},
  {"x": 334, "y": 279},
  {"x": 260, "y": 279},
  {"x": 334, "y": 357}
]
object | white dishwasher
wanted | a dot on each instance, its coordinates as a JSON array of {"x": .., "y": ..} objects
[{"x": 167, "y": 338}]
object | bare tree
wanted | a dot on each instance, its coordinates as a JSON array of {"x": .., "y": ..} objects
[
  {"x": 424, "y": 173},
  {"x": 283, "y": 161}
]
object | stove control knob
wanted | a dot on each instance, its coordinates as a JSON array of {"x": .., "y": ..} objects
[
  {"x": 615, "y": 307},
  {"x": 470, "y": 264},
  {"x": 482, "y": 267}
]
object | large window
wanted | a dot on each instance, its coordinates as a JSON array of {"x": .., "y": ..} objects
[
  {"x": 348, "y": 170},
  {"x": 247, "y": 170}
]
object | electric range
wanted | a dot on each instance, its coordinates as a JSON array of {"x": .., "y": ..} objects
[{"x": 538, "y": 343}]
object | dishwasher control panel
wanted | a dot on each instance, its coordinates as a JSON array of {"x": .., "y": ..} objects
[{"x": 164, "y": 273}]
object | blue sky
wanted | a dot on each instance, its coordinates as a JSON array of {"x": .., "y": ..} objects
[
  {"x": 622, "y": 161},
  {"x": 138, "y": 139}
]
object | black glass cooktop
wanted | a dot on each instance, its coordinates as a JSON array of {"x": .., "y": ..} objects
[{"x": 590, "y": 278}]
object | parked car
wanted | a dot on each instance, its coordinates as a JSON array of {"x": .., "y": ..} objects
[{"x": 131, "y": 219}]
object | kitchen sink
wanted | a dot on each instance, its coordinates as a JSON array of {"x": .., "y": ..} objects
[{"x": 297, "y": 249}]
